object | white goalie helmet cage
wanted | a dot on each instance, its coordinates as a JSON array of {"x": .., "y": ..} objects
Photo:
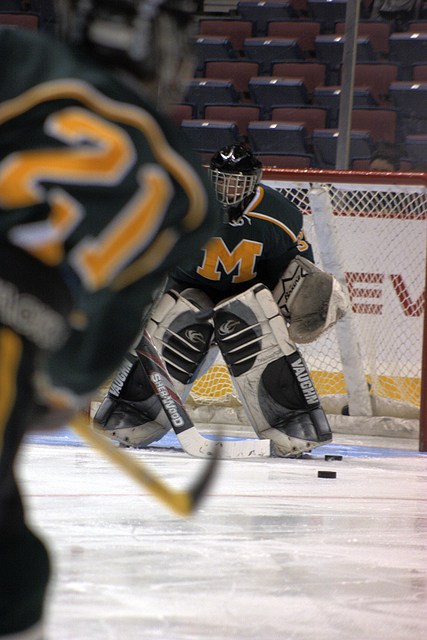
[{"x": 234, "y": 172}]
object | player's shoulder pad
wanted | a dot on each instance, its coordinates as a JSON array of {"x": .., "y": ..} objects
[{"x": 278, "y": 209}]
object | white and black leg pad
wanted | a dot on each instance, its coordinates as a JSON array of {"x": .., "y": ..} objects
[
  {"x": 269, "y": 373},
  {"x": 182, "y": 334},
  {"x": 131, "y": 413}
]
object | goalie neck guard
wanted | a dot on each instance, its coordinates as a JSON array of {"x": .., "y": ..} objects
[{"x": 234, "y": 172}]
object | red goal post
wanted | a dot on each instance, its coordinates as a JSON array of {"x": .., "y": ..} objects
[{"x": 369, "y": 229}]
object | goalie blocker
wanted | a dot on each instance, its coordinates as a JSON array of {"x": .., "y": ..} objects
[{"x": 269, "y": 373}]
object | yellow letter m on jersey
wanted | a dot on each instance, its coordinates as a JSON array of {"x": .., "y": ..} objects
[{"x": 241, "y": 260}]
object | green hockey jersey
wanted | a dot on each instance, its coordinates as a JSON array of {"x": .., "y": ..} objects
[
  {"x": 257, "y": 247},
  {"x": 94, "y": 184}
]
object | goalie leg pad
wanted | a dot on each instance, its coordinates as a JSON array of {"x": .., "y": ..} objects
[
  {"x": 182, "y": 334},
  {"x": 310, "y": 299},
  {"x": 269, "y": 373},
  {"x": 131, "y": 413}
]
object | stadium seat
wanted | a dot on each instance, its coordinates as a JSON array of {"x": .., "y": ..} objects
[
  {"x": 416, "y": 149},
  {"x": 277, "y": 137},
  {"x": 419, "y": 72},
  {"x": 301, "y": 8},
  {"x": 268, "y": 91},
  {"x": 211, "y": 48},
  {"x": 417, "y": 26},
  {"x": 327, "y": 13},
  {"x": 330, "y": 48},
  {"x": 382, "y": 124},
  {"x": 235, "y": 29},
  {"x": 330, "y": 97},
  {"x": 311, "y": 117},
  {"x": 201, "y": 91},
  {"x": 260, "y": 13},
  {"x": 408, "y": 49},
  {"x": 325, "y": 142},
  {"x": 377, "y": 76},
  {"x": 268, "y": 50},
  {"x": 304, "y": 31},
  {"x": 209, "y": 135},
  {"x": 377, "y": 32},
  {"x": 239, "y": 71},
  {"x": 181, "y": 112},
  {"x": 241, "y": 114},
  {"x": 313, "y": 73},
  {"x": 411, "y": 99},
  {"x": 22, "y": 20},
  {"x": 286, "y": 161}
]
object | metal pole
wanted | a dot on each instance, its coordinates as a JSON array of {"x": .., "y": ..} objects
[{"x": 347, "y": 84}]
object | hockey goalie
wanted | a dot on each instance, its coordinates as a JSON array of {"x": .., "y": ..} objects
[{"x": 255, "y": 293}]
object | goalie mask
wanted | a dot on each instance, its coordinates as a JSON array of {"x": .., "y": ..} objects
[
  {"x": 151, "y": 39},
  {"x": 234, "y": 172}
]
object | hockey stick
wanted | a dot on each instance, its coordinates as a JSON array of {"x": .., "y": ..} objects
[
  {"x": 182, "y": 502},
  {"x": 190, "y": 439}
]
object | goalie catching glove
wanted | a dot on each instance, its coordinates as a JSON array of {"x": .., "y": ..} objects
[{"x": 310, "y": 299}]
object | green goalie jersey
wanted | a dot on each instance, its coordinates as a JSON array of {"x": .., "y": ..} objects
[
  {"x": 257, "y": 247},
  {"x": 95, "y": 184}
]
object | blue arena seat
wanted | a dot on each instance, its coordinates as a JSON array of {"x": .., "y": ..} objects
[
  {"x": 378, "y": 33},
  {"x": 327, "y": 13},
  {"x": 325, "y": 142},
  {"x": 260, "y": 13},
  {"x": 267, "y": 50},
  {"x": 209, "y": 135},
  {"x": 201, "y": 91},
  {"x": 304, "y": 31},
  {"x": 235, "y": 29},
  {"x": 330, "y": 49},
  {"x": 382, "y": 124},
  {"x": 377, "y": 76},
  {"x": 411, "y": 99},
  {"x": 330, "y": 97},
  {"x": 212, "y": 48},
  {"x": 269, "y": 90},
  {"x": 416, "y": 149},
  {"x": 313, "y": 73},
  {"x": 239, "y": 71},
  {"x": 310, "y": 116},
  {"x": 277, "y": 137},
  {"x": 241, "y": 114},
  {"x": 408, "y": 49}
]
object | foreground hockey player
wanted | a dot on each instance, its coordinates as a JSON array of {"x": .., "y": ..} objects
[
  {"x": 255, "y": 292},
  {"x": 99, "y": 198}
]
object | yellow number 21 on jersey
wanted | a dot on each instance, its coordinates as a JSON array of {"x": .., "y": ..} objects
[{"x": 98, "y": 153}]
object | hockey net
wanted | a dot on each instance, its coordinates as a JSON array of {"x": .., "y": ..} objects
[{"x": 369, "y": 229}]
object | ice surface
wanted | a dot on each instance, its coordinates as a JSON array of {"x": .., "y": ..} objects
[{"x": 273, "y": 553}]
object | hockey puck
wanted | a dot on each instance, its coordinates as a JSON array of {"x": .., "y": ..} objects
[
  {"x": 332, "y": 457},
  {"x": 326, "y": 474}
]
